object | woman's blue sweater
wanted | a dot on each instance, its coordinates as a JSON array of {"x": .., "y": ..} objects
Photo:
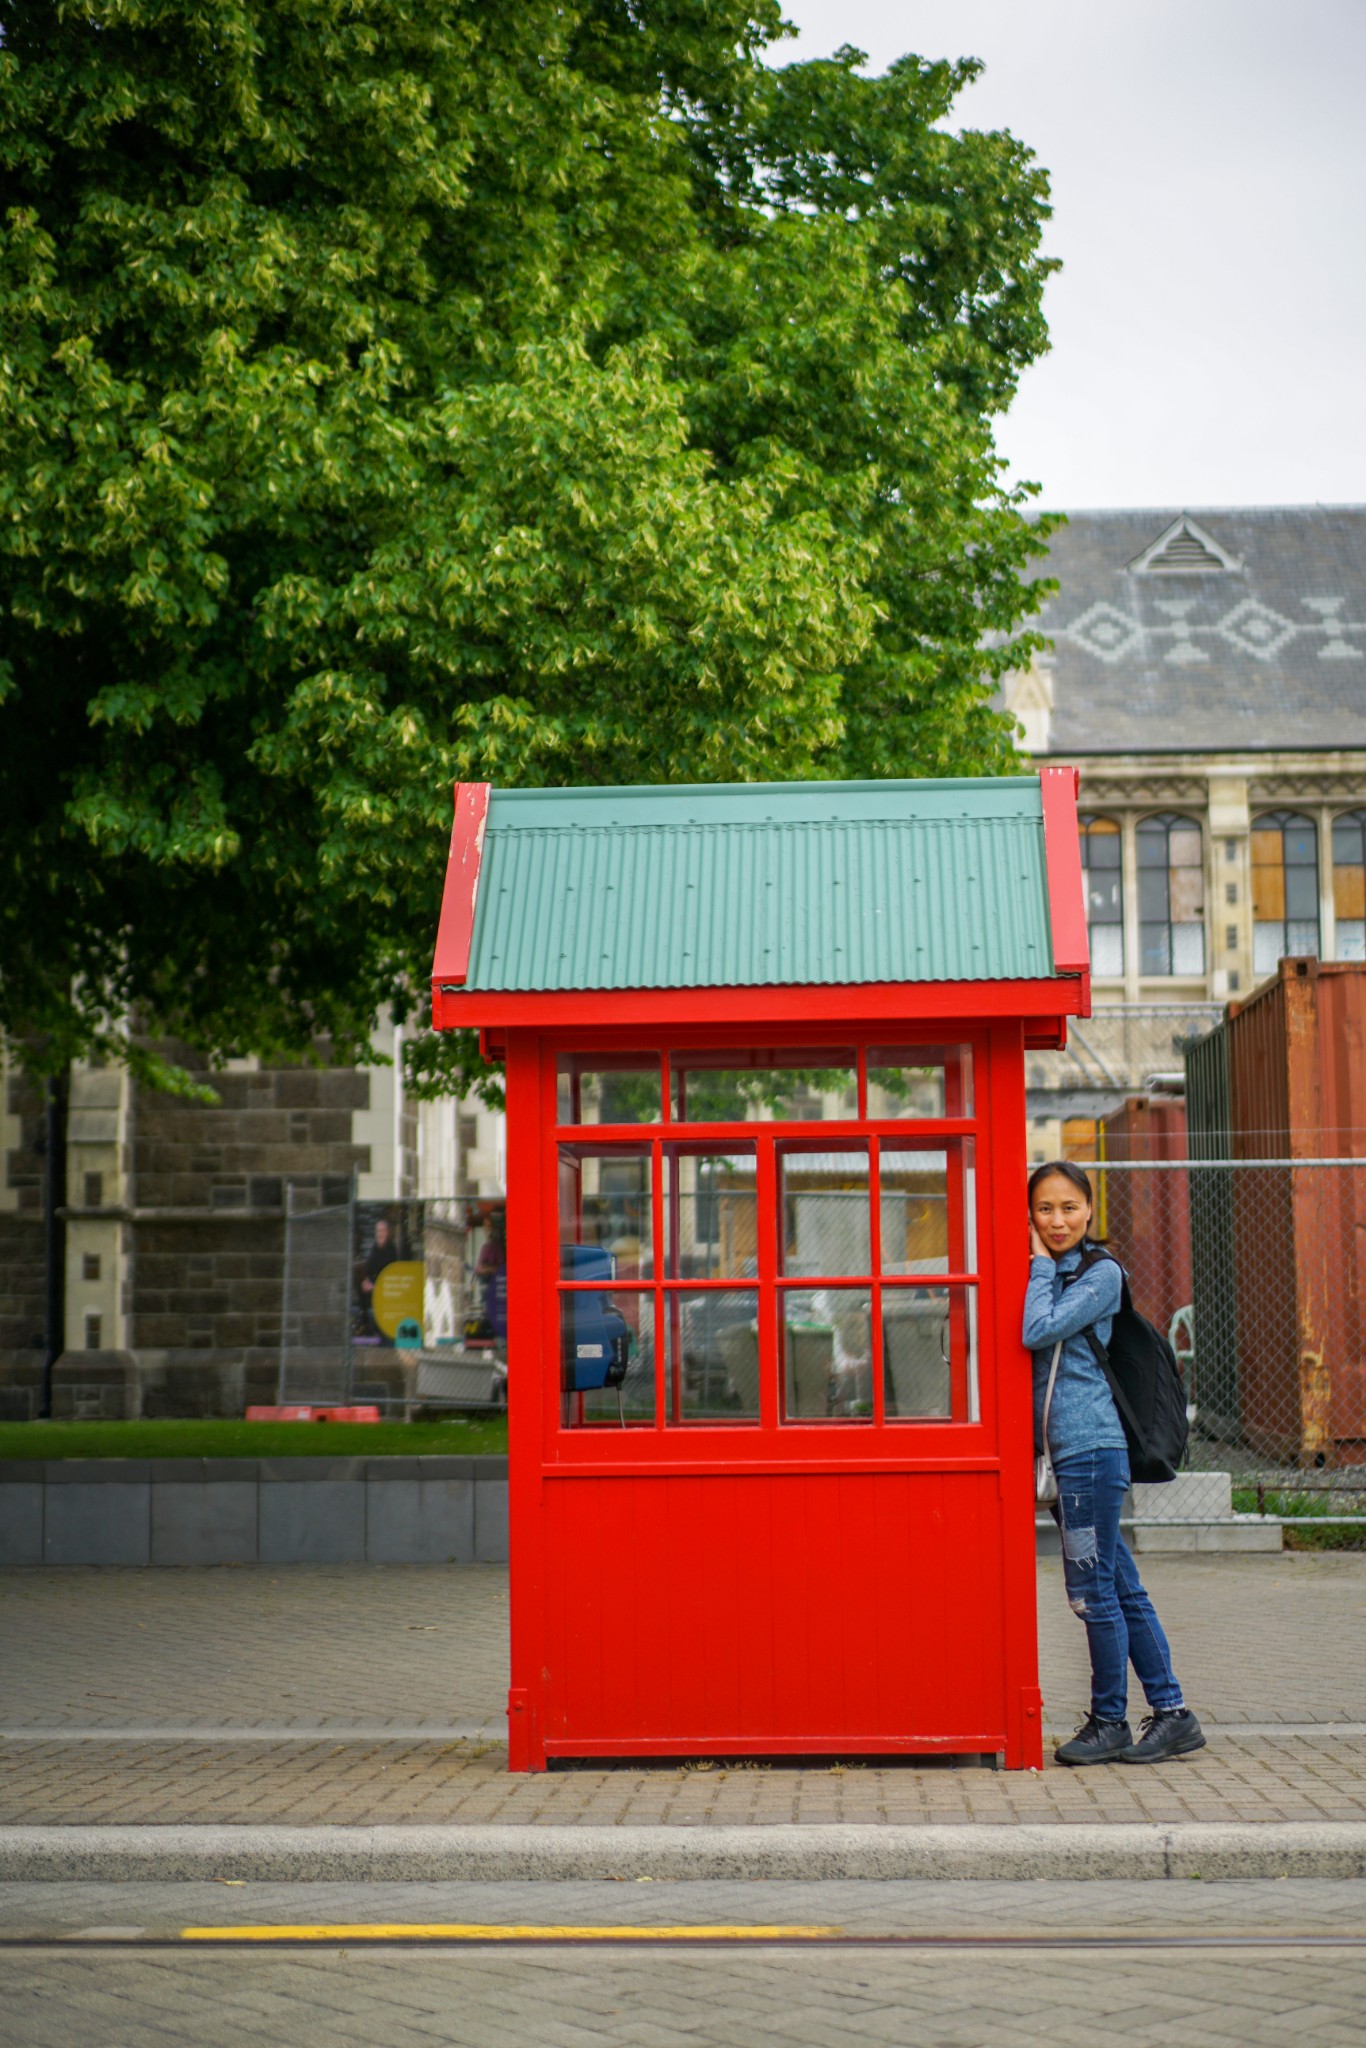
[{"x": 1083, "y": 1416}]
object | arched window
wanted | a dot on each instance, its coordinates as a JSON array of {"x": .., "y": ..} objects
[
  {"x": 1100, "y": 857},
  {"x": 1349, "y": 885},
  {"x": 1285, "y": 888},
  {"x": 1171, "y": 896}
]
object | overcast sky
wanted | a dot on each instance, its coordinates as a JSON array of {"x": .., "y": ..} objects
[{"x": 1208, "y": 160}]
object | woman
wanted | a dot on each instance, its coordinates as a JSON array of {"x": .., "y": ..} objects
[{"x": 1091, "y": 1459}]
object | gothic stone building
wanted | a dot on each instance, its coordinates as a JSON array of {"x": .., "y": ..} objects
[{"x": 1207, "y": 674}]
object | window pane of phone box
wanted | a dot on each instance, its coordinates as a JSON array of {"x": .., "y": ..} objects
[
  {"x": 798, "y": 1084},
  {"x": 712, "y": 1356},
  {"x": 926, "y": 1333},
  {"x": 710, "y": 1214},
  {"x": 929, "y": 1207},
  {"x": 825, "y": 1212},
  {"x": 609, "y": 1088},
  {"x": 605, "y": 1201},
  {"x": 919, "y": 1080},
  {"x": 607, "y": 1358},
  {"x": 825, "y": 1336}
]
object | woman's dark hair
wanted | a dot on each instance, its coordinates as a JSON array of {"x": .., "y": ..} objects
[{"x": 1068, "y": 1171}]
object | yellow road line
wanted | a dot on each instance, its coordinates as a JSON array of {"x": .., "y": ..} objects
[{"x": 461, "y": 1931}]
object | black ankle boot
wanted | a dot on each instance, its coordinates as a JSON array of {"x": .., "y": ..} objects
[
  {"x": 1173, "y": 1733},
  {"x": 1096, "y": 1742}
]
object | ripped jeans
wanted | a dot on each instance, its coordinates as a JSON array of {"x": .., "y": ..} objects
[{"x": 1104, "y": 1588}]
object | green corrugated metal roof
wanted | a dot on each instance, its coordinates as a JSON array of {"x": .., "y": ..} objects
[{"x": 756, "y": 884}]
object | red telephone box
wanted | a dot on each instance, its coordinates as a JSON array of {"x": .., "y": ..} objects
[{"x": 770, "y": 1463}]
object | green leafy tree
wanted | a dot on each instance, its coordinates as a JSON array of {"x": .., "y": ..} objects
[{"x": 393, "y": 391}]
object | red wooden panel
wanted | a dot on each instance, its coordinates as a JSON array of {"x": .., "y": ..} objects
[
  {"x": 1066, "y": 889},
  {"x": 1006, "y": 1381},
  {"x": 461, "y": 892},
  {"x": 530, "y": 1139},
  {"x": 902, "y": 1003},
  {"x": 784, "y": 1612}
]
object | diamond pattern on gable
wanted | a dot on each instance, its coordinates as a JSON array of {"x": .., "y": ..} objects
[
  {"x": 1104, "y": 631},
  {"x": 1183, "y": 549},
  {"x": 1254, "y": 628}
]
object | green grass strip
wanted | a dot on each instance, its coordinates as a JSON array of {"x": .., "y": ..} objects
[{"x": 458, "y": 1437}]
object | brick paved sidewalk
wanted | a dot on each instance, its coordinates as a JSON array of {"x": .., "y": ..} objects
[
  {"x": 1238, "y": 1778},
  {"x": 1266, "y": 1645}
]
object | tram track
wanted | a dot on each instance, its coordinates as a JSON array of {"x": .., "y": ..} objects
[{"x": 196, "y": 1941}]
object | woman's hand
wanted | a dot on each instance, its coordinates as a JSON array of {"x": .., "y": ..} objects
[{"x": 1037, "y": 1248}]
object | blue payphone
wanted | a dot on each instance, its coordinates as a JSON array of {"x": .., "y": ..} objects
[{"x": 595, "y": 1338}]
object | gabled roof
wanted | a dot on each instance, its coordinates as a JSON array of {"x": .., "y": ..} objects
[
  {"x": 1200, "y": 631},
  {"x": 761, "y": 886}
]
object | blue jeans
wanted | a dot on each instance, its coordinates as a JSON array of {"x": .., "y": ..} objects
[{"x": 1104, "y": 1588}]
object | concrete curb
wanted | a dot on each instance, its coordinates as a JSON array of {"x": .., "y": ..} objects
[{"x": 489, "y": 1854}]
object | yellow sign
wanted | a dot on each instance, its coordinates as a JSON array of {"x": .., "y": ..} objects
[{"x": 398, "y": 1293}]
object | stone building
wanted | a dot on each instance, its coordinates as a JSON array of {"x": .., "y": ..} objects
[
  {"x": 174, "y": 1219},
  {"x": 1207, "y": 675}
]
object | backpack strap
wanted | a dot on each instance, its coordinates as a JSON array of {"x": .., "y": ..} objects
[
  {"x": 1127, "y": 1416},
  {"x": 1092, "y": 1254}
]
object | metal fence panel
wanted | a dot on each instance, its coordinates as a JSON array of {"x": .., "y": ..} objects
[
  {"x": 1254, "y": 1270},
  {"x": 315, "y": 1348},
  {"x": 338, "y": 1346}
]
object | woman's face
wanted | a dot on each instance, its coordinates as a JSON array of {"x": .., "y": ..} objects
[{"x": 1061, "y": 1213}]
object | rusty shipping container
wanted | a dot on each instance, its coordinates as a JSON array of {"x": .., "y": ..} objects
[
  {"x": 1145, "y": 1217},
  {"x": 1278, "y": 1251}
]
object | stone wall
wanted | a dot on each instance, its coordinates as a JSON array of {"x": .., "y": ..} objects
[
  {"x": 272, "y": 1125},
  {"x": 175, "y": 1228},
  {"x": 209, "y": 1192},
  {"x": 22, "y": 1262}
]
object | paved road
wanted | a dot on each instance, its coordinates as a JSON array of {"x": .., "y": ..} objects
[{"x": 1258, "y": 1977}]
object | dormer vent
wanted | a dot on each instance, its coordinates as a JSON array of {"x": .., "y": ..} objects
[{"x": 1184, "y": 549}]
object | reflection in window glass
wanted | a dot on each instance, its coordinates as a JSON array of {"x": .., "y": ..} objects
[
  {"x": 1285, "y": 889},
  {"x": 605, "y": 1200},
  {"x": 919, "y": 1080},
  {"x": 710, "y": 1213},
  {"x": 712, "y": 1355},
  {"x": 826, "y": 1339},
  {"x": 1349, "y": 885},
  {"x": 608, "y": 1088},
  {"x": 607, "y": 1357},
  {"x": 928, "y": 1341},
  {"x": 792, "y": 1085},
  {"x": 929, "y": 1199},
  {"x": 1100, "y": 859},
  {"x": 825, "y": 1211},
  {"x": 1171, "y": 896},
  {"x": 915, "y": 1212}
]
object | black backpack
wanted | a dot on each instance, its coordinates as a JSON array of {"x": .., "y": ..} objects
[{"x": 1145, "y": 1380}]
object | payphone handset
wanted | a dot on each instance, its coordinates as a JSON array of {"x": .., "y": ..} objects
[{"x": 595, "y": 1338}]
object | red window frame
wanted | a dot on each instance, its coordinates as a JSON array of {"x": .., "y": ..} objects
[{"x": 878, "y": 1437}]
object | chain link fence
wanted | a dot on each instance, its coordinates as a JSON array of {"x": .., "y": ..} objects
[
  {"x": 400, "y": 1305},
  {"x": 1116, "y": 1051},
  {"x": 1253, "y": 1269}
]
